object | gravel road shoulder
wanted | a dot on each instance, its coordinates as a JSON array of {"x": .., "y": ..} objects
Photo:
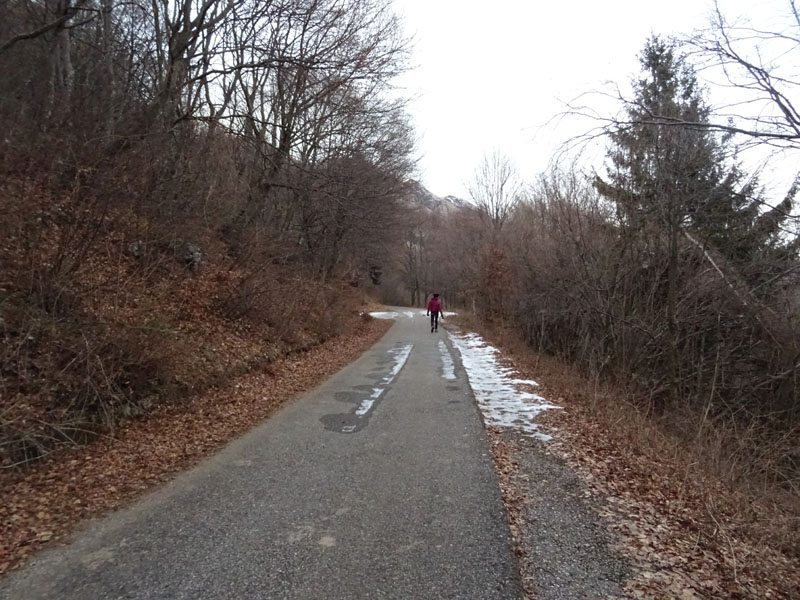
[{"x": 564, "y": 550}]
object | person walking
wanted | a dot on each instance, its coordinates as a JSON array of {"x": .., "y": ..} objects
[{"x": 434, "y": 310}]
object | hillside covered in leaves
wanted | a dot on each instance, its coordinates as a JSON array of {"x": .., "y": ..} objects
[{"x": 187, "y": 191}]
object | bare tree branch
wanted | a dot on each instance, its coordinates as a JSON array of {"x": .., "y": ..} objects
[{"x": 58, "y": 23}]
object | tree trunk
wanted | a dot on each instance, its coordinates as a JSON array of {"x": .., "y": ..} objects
[
  {"x": 672, "y": 300},
  {"x": 108, "y": 57}
]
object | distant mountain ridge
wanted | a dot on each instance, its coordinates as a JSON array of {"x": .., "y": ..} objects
[{"x": 420, "y": 195}]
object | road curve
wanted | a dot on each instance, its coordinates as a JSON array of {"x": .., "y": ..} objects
[{"x": 377, "y": 484}]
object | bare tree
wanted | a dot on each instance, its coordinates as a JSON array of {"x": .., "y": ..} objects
[
  {"x": 757, "y": 69},
  {"x": 57, "y": 19},
  {"x": 758, "y": 65},
  {"x": 495, "y": 188}
]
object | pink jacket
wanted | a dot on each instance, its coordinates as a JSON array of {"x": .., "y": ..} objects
[{"x": 434, "y": 305}]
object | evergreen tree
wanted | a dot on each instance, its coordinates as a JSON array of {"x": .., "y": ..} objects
[
  {"x": 671, "y": 182},
  {"x": 668, "y": 172},
  {"x": 661, "y": 170}
]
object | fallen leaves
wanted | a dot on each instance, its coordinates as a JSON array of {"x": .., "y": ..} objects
[
  {"x": 513, "y": 498},
  {"x": 681, "y": 533}
]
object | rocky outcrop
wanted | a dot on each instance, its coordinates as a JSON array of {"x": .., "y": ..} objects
[{"x": 418, "y": 194}]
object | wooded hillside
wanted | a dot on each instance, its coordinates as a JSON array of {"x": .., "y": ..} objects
[{"x": 187, "y": 190}]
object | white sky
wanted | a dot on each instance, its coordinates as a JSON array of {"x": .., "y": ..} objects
[{"x": 493, "y": 74}]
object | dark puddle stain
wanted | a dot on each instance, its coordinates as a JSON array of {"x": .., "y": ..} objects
[
  {"x": 365, "y": 387},
  {"x": 343, "y": 423},
  {"x": 453, "y": 388},
  {"x": 348, "y": 396},
  {"x": 351, "y": 422},
  {"x": 454, "y": 401}
]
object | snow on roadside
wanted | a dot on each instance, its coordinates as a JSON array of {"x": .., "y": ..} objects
[
  {"x": 496, "y": 388},
  {"x": 384, "y": 314},
  {"x": 391, "y": 314},
  {"x": 445, "y": 313}
]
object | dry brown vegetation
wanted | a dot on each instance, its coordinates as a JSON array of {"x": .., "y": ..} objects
[
  {"x": 122, "y": 333},
  {"x": 187, "y": 192}
]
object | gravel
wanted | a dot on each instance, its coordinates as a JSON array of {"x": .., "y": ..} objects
[{"x": 564, "y": 550}]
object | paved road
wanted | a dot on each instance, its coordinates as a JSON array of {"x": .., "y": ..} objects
[{"x": 378, "y": 484}]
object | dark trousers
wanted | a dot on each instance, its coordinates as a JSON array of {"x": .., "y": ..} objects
[{"x": 434, "y": 319}]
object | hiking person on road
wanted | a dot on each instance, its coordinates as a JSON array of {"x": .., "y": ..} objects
[{"x": 434, "y": 310}]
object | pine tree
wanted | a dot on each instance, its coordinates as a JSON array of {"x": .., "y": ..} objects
[
  {"x": 673, "y": 186},
  {"x": 667, "y": 175},
  {"x": 662, "y": 171}
]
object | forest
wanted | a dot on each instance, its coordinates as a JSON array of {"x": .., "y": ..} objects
[
  {"x": 670, "y": 272},
  {"x": 190, "y": 189}
]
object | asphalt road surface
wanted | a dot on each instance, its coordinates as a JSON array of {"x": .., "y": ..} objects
[{"x": 377, "y": 484}]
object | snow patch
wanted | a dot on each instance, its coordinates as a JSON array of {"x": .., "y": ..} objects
[
  {"x": 400, "y": 358},
  {"x": 367, "y": 403},
  {"x": 496, "y": 388},
  {"x": 523, "y": 382},
  {"x": 448, "y": 368},
  {"x": 384, "y": 315},
  {"x": 392, "y": 314},
  {"x": 444, "y": 313}
]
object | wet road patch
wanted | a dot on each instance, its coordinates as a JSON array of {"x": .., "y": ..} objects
[{"x": 366, "y": 396}]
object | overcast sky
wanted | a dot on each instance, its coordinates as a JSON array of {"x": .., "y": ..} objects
[{"x": 494, "y": 74}]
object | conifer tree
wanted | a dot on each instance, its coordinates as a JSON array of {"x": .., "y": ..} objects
[
  {"x": 673, "y": 186},
  {"x": 670, "y": 174}
]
